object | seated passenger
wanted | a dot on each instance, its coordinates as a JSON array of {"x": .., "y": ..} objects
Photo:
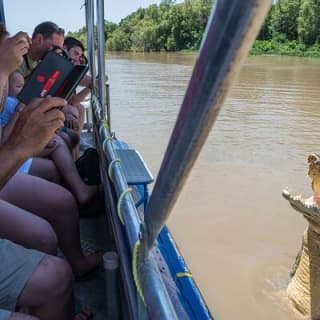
[
  {"x": 30, "y": 278},
  {"x": 45, "y": 36},
  {"x": 55, "y": 160},
  {"x": 38, "y": 167},
  {"x": 74, "y": 111}
]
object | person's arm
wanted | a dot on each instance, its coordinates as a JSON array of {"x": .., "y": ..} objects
[
  {"x": 80, "y": 96},
  {"x": 3, "y": 88},
  {"x": 35, "y": 127},
  {"x": 11, "y": 53}
]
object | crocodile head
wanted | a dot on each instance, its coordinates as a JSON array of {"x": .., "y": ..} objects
[
  {"x": 309, "y": 207},
  {"x": 314, "y": 173}
]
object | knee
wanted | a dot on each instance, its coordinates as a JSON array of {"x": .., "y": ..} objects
[
  {"x": 58, "y": 277},
  {"x": 67, "y": 205},
  {"x": 53, "y": 173},
  {"x": 59, "y": 141},
  {"x": 48, "y": 241}
]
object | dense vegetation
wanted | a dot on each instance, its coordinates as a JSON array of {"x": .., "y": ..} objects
[{"x": 292, "y": 28}]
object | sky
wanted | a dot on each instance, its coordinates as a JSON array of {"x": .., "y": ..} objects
[{"x": 25, "y": 15}]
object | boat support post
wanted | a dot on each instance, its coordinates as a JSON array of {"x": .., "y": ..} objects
[
  {"x": 101, "y": 63},
  {"x": 89, "y": 14},
  {"x": 230, "y": 33},
  {"x": 2, "y": 15}
]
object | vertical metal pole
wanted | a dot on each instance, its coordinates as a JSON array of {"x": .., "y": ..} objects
[
  {"x": 108, "y": 105},
  {"x": 90, "y": 38},
  {"x": 111, "y": 268},
  {"x": 2, "y": 15},
  {"x": 89, "y": 5},
  {"x": 231, "y": 31},
  {"x": 101, "y": 58}
]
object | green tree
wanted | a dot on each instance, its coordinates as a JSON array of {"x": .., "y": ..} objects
[
  {"x": 309, "y": 22},
  {"x": 109, "y": 27},
  {"x": 284, "y": 19},
  {"x": 118, "y": 41},
  {"x": 266, "y": 30}
]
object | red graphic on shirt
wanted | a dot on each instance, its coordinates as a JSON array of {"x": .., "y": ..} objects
[{"x": 41, "y": 78}]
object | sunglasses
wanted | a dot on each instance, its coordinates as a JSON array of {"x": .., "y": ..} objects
[
  {"x": 83, "y": 59},
  {"x": 61, "y": 52}
]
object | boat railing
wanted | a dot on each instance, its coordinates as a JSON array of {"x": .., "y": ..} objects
[
  {"x": 230, "y": 33},
  {"x": 132, "y": 223}
]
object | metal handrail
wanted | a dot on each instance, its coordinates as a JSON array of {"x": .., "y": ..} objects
[
  {"x": 157, "y": 300},
  {"x": 230, "y": 33},
  {"x": 232, "y": 28}
]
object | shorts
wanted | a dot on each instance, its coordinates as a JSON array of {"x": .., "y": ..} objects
[
  {"x": 25, "y": 167},
  {"x": 17, "y": 266},
  {"x": 5, "y": 315}
]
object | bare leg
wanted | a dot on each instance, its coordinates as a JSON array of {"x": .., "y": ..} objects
[
  {"x": 81, "y": 112},
  {"x": 76, "y": 116},
  {"x": 48, "y": 293},
  {"x": 20, "y": 316},
  {"x": 26, "y": 229},
  {"x": 56, "y": 205},
  {"x": 70, "y": 137},
  {"x": 81, "y": 117},
  {"x": 65, "y": 164},
  {"x": 46, "y": 169}
]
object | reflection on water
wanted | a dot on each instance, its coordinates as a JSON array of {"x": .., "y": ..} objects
[{"x": 238, "y": 235}]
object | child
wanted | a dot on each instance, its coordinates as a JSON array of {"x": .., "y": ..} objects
[
  {"x": 10, "y": 112},
  {"x": 55, "y": 162},
  {"x": 35, "y": 166},
  {"x": 16, "y": 83}
]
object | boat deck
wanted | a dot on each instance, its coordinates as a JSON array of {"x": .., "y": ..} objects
[{"x": 90, "y": 291}]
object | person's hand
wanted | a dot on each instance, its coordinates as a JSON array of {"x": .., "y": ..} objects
[
  {"x": 12, "y": 51},
  {"x": 86, "y": 82},
  {"x": 37, "y": 124},
  {"x": 72, "y": 123}
]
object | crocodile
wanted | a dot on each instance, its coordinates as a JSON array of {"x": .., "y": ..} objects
[{"x": 304, "y": 286}]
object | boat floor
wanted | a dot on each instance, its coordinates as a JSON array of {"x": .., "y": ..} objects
[{"x": 90, "y": 291}]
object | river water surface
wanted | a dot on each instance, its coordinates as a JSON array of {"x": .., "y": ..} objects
[{"x": 238, "y": 235}]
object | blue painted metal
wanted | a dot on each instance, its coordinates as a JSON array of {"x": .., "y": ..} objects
[
  {"x": 190, "y": 295},
  {"x": 158, "y": 304},
  {"x": 174, "y": 295},
  {"x": 2, "y": 14},
  {"x": 231, "y": 30},
  {"x": 136, "y": 173}
]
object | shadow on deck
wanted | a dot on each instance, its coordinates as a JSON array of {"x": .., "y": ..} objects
[
  {"x": 95, "y": 235},
  {"x": 90, "y": 291}
]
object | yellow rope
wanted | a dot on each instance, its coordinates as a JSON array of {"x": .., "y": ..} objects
[
  {"x": 135, "y": 270},
  {"x": 123, "y": 194},
  {"x": 104, "y": 143},
  {"x": 103, "y": 124},
  {"x": 183, "y": 274},
  {"x": 117, "y": 160}
]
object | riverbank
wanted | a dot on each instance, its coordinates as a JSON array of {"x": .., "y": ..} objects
[
  {"x": 271, "y": 47},
  {"x": 287, "y": 48}
]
